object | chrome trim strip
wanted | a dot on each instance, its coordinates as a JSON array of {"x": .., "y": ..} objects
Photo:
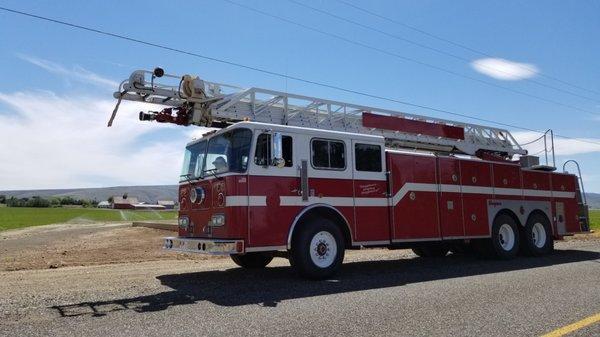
[
  {"x": 371, "y": 243},
  {"x": 465, "y": 237},
  {"x": 265, "y": 249},
  {"x": 415, "y": 240}
]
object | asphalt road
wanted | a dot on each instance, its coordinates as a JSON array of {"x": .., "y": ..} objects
[{"x": 378, "y": 292}]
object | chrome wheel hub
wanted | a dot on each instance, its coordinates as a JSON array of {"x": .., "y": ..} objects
[
  {"x": 506, "y": 237},
  {"x": 538, "y": 235},
  {"x": 323, "y": 249}
]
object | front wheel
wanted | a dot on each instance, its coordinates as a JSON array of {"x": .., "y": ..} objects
[
  {"x": 252, "y": 260},
  {"x": 317, "y": 249}
]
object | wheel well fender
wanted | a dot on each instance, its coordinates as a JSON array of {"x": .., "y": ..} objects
[
  {"x": 511, "y": 214},
  {"x": 518, "y": 210},
  {"x": 321, "y": 211}
]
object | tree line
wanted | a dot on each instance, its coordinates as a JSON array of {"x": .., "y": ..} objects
[{"x": 37, "y": 201}]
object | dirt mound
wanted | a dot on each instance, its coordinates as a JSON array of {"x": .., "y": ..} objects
[{"x": 82, "y": 245}]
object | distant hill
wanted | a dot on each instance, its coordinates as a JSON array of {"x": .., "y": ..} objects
[
  {"x": 148, "y": 194},
  {"x": 593, "y": 200},
  {"x": 151, "y": 193}
]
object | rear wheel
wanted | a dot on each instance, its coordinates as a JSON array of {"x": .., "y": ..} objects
[
  {"x": 252, "y": 260},
  {"x": 317, "y": 249},
  {"x": 431, "y": 250},
  {"x": 537, "y": 236},
  {"x": 504, "y": 243}
]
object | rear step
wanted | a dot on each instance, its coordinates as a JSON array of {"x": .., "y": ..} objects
[{"x": 584, "y": 217}]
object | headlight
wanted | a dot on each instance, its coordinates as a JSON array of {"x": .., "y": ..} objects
[
  {"x": 217, "y": 220},
  {"x": 184, "y": 222},
  {"x": 197, "y": 195}
]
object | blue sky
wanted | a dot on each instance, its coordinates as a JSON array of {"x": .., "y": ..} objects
[{"x": 56, "y": 93}]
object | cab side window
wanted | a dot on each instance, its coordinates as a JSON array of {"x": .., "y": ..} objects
[
  {"x": 262, "y": 156},
  {"x": 328, "y": 154},
  {"x": 368, "y": 157}
]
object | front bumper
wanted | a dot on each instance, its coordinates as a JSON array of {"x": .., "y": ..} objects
[{"x": 204, "y": 246}]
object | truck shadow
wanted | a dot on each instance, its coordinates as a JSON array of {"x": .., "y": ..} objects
[{"x": 267, "y": 287}]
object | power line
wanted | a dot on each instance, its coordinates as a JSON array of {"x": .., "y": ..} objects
[
  {"x": 273, "y": 73},
  {"x": 533, "y": 141},
  {"x": 437, "y": 50},
  {"x": 456, "y": 44},
  {"x": 405, "y": 58}
]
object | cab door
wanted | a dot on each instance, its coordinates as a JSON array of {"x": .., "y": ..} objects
[
  {"x": 268, "y": 220},
  {"x": 370, "y": 193}
]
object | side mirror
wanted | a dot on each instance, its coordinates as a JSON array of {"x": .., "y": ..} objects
[{"x": 277, "y": 150}]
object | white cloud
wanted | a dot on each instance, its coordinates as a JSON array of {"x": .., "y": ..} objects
[
  {"x": 562, "y": 146},
  {"x": 61, "y": 141},
  {"x": 506, "y": 70},
  {"x": 76, "y": 73}
]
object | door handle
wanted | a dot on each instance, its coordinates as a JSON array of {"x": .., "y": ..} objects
[{"x": 304, "y": 179}]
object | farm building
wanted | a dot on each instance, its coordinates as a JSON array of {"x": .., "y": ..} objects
[
  {"x": 124, "y": 202},
  {"x": 103, "y": 204}
]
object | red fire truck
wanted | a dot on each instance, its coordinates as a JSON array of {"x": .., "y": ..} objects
[{"x": 307, "y": 178}]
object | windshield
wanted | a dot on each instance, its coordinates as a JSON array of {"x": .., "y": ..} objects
[
  {"x": 193, "y": 160},
  {"x": 227, "y": 152}
]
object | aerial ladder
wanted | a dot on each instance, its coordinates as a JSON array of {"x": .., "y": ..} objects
[{"x": 190, "y": 100}]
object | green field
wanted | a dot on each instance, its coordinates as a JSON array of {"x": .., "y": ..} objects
[
  {"x": 595, "y": 219},
  {"x": 17, "y": 217}
]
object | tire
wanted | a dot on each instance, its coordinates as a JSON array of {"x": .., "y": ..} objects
[
  {"x": 252, "y": 260},
  {"x": 504, "y": 243},
  {"x": 431, "y": 250},
  {"x": 317, "y": 249},
  {"x": 537, "y": 236}
]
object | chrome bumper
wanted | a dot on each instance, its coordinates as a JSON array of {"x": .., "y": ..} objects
[{"x": 204, "y": 246}]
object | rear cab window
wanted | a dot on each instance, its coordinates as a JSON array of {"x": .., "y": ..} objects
[
  {"x": 328, "y": 154},
  {"x": 367, "y": 157}
]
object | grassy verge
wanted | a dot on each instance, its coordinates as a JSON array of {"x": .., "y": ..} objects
[
  {"x": 595, "y": 219},
  {"x": 19, "y": 217}
]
